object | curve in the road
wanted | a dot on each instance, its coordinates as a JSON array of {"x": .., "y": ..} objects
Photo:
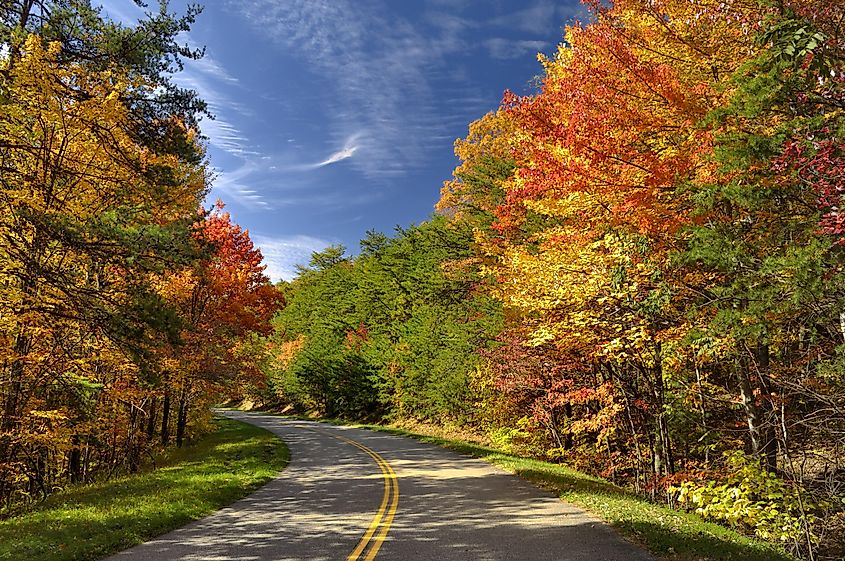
[
  {"x": 321, "y": 508},
  {"x": 384, "y": 515}
]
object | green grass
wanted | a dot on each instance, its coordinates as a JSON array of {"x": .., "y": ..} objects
[
  {"x": 667, "y": 533},
  {"x": 90, "y": 521}
]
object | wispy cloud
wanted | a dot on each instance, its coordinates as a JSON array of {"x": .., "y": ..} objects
[
  {"x": 214, "y": 84},
  {"x": 380, "y": 69},
  {"x": 340, "y": 155},
  {"x": 283, "y": 254},
  {"x": 209, "y": 66},
  {"x": 505, "y": 49},
  {"x": 237, "y": 185},
  {"x": 347, "y": 151},
  {"x": 220, "y": 90},
  {"x": 126, "y": 13},
  {"x": 538, "y": 17}
]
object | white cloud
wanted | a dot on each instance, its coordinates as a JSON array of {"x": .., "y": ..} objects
[
  {"x": 537, "y": 18},
  {"x": 283, "y": 254},
  {"x": 234, "y": 186},
  {"x": 347, "y": 151},
  {"x": 124, "y": 12},
  {"x": 218, "y": 87},
  {"x": 213, "y": 83},
  {"x": 208, "y": 66},
  {"x": 340, "y": 155},
  {"x": 509, "y": 48}
]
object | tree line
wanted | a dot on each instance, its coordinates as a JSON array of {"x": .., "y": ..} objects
[
  {"x": 637, "y": 270},
  {"x": 125, "y": 306}
]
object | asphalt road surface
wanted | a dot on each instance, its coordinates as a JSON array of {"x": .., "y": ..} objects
[{"x": 357, "y": 495}]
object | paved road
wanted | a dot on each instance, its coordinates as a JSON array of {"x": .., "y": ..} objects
[{"x": 359, "y": 495}]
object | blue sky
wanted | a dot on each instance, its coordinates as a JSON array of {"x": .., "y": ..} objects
[{"x": 334, "y": 117}]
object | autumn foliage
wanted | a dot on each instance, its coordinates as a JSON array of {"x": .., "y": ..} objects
[
  {"x": 662, "y": 226},
  {"x": 637, "y": 269},
  {"x": 668, "y": 248},
  {"x": 124, "y": 310}
]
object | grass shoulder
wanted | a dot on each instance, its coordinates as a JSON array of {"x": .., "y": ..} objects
[
  {"x": 90, "y": 521},
  {"x": 667, "y": 533}
]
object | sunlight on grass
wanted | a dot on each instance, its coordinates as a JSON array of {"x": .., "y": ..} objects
[{"x": 88, "y": 522}]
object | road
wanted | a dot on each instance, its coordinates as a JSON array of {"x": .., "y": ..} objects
[{"x": 357, "y": 495}]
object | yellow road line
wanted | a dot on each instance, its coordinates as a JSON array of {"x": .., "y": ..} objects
[
  {"x": 389, "y": 480},
  {"x": 376, "y": 544},
  {"x": 384, "y": 515}
]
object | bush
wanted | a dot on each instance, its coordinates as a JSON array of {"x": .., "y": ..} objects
[{"x": 751, "y": 499}]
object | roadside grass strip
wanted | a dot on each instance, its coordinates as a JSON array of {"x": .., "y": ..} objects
[
  {"x": 665, "y": 532},
  {"x": 87, "y": 522}
]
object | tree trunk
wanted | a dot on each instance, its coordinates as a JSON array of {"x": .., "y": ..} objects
[
  {"x": 769, "y": 453},
  {"x": 664, "y": 440},
  {"x": 75, "y": 463},
  {"x": 165, "y": 419},
  {"x": 702, "y": 411},
  {"x": 182, "y": 418},
  {"x": 567, "y": 437},
  {"x": 133, "y": 444},
  {"x": 753, "y": 417},
  {"x": 151, "y": 419},
  {"x": 11, "y": 405}
]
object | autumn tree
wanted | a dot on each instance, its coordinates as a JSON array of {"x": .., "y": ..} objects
[
  {"x": 226, "y": 301},
  {"x": 102, "y": 173},
  {"x": 669, "y": 236}
]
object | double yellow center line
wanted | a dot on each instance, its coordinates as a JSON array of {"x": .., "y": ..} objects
[
  {"x": 384, "y": 516},
  {"x": 372, "y": 539}
]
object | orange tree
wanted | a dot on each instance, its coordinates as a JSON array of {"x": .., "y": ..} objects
[
  {"x": 226, "y": 303},
  {"x": 582, "y": 240}
]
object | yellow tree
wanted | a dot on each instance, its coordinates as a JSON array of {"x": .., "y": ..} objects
[{"x": 84, "y": 224}]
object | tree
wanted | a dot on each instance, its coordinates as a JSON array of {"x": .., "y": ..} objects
[
  {"x": 391, "y": 333},
  {"x": 102, "y": 173},
  {"x": 149, "y": 53},
  {"x": 226, "y": 302}
]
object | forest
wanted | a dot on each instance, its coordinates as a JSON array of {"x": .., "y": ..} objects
[
  {"x": 126, "y": 306},
  {"x": 636, "y": 271}
]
